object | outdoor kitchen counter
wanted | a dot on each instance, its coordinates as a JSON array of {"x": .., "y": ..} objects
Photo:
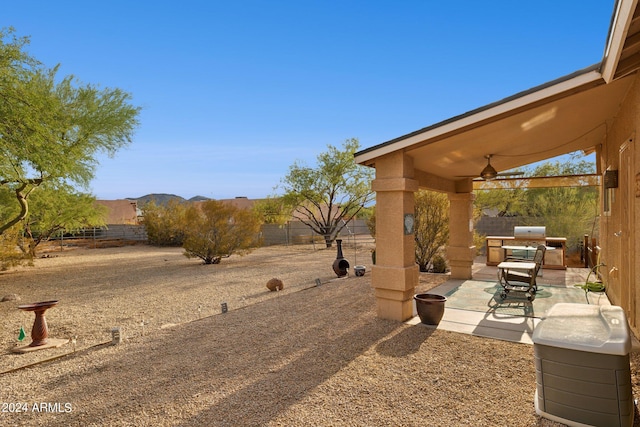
[{"x": 500, "y": 247}]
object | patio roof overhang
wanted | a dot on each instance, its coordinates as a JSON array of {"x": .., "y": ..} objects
[
  {"x": 622, "y": 51},
  {"x": 566, "y": 115}
]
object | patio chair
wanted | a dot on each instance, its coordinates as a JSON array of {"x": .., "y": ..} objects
[{"x": 527, "y": 277}]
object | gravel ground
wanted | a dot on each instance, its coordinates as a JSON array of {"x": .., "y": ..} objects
[{"x": 306, "y": 355}]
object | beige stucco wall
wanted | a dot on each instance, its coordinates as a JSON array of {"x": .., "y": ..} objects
[
  {"x": 620, "y": 238},
  {"x": 460, "y": 249}
]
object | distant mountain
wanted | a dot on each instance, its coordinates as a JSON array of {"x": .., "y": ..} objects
[
  {"x": 158, "y": 198},
  {"x": 198, "y": 199}
]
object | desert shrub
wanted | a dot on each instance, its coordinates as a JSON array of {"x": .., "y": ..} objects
[
  {"x": 479, "y": 241},
  {"x": 216, "y": 230},
  {"x": 431, "y": 225},
  {"x": 165, "y": 224},
  {"x": 439, "y": 264}
]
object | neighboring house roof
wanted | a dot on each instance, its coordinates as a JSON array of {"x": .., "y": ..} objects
[
  {"x": 120, "y": 211},
  {"x": 240, "y": 202},
  {"x": 568, "y": 114}
]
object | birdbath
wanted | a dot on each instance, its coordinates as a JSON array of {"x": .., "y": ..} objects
[{"x": 39, "y": 332}]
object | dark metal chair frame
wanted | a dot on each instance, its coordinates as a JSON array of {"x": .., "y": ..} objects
[{"x": 527, "y": 278}]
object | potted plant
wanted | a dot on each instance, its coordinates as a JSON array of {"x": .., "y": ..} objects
[{"x": 430, "y": 308}]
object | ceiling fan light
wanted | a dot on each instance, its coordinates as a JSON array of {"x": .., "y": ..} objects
[{"x": 488, "y": 173}]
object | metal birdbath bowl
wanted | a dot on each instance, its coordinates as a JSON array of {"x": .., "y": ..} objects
[{"x": 40, "y": 332}]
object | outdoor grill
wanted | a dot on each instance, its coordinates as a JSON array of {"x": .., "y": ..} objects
[
  {"x": 530, "y": 233},
  {"x": 523, "y": 244}
]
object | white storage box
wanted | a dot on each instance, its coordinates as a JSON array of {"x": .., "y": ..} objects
[{"x": 583, "y": 376}]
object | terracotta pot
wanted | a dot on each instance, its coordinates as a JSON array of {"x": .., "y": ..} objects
[{"x": 430, "y": 308}]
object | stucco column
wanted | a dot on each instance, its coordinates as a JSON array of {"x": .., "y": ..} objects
[
  {"x": 461, "y": 250},
  {"x": 395, "y": 275}
]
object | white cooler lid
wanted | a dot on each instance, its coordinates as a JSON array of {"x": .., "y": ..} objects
[{"x": 584, "y": 327}]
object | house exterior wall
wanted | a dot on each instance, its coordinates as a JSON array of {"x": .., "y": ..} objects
[
  {"x": 121, "y": 211},
  {"x": 619, "y": 235}
]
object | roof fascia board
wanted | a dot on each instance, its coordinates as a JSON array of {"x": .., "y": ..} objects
[
  {"x": 479, "y": 115},
  {"x": 617, "y": 35}
]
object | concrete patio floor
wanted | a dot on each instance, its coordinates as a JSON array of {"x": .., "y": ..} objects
[{"x": 491, "y": 324}]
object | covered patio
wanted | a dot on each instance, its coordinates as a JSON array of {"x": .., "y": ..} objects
[
  {"x": 595, "y": 110},
  {"x": 474, "y": 306}
]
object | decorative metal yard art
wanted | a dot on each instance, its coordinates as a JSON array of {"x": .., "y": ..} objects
[
  {"x": 40, "y": 331},
  {"x": 340, "y": 265}
]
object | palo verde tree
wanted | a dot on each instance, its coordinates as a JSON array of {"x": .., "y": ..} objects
[
  {"x": 52, "y": 128},
  {"x": 565, "y": 211},
  {"x": 216, "y": 230},
  {"x": 326, "y": 197},
  {"x": 56, "y": 210},
  {"x": 273, "y": 210}
]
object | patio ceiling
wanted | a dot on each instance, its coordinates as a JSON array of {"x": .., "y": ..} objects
[{"x": 562, "y": 116}]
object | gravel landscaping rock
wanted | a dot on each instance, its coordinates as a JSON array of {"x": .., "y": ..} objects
[{"x": 306, "y": 355}]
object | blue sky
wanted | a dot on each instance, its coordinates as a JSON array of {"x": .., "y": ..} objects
[{"x": 235, "y": 92}]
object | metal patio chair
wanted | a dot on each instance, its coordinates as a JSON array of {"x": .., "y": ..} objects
[{"x": 525, "y": 278}]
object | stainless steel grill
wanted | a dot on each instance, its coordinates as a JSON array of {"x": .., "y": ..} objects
[{"x": 530, "y": 232}]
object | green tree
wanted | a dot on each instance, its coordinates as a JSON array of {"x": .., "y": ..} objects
[
  {"x": 273, "y": 210},
  {"x": 369, "y": 215},
  {"x": 565, "y": 211},
  {"x": 53, "y": 128},
  {"x": 506, "y": 202},
  {"x": 59, "y": 209},
  {"x": 216, "y": 230},
  {"x": 165, "y": 224},
  {"x": 10, "y": 255},
  {"x": 431, "y": 230},
  {"x": 328, "y": 196}
]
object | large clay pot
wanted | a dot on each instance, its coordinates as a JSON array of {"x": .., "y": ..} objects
[{"x": 430, "y": 308}]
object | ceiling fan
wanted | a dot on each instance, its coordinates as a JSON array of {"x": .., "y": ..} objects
[{"x": 489, "y": 173}]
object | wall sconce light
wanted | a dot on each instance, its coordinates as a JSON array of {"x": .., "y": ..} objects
[{"x": 611, "y": 179}]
